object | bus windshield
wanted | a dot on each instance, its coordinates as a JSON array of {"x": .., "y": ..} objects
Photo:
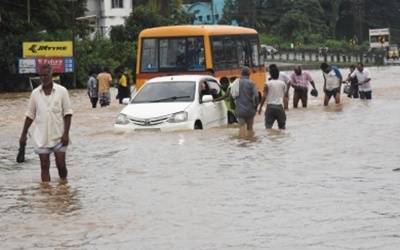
[{"x": 173, "y": 54}]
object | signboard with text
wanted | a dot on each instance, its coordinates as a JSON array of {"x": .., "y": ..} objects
[
  {"x": 33, "y": 65},
  {"x": 57, "y": 64},
  {"x": 47, "y": 49},
  {"x": 68, "y": 64},
  {"x": 27, "y": 65},
  {"x": 379, "y": 38}
]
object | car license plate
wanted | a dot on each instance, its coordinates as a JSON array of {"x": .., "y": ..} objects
[{"x": 147, "y": 129}]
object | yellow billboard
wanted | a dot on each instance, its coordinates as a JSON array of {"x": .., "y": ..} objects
[{"x": 47, "y": 49}]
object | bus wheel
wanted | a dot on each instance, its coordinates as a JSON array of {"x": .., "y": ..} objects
[{"x": 198, "y": 125}]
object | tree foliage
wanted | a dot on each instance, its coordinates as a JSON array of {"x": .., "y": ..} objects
[
  {"x": 330, "y": 19},
  {"x": 150, "y": 15}
]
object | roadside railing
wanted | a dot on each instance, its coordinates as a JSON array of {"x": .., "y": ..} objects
[{"x": 335, "y": 57}]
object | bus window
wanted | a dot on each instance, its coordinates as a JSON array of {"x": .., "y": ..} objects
[
  {"x": 243, "y": 48},
  {"x": 224, "y": 53},
  {"x": 172, "y": 53},
  {"x": 149, "y": 55},
  {"x": 195, "y": 54},
  {"x": 182, "y": 54},
  {"x": 254, "y": 52},
  {"x": 231, "y": 56},
  {"x": 241, "y": 52}
]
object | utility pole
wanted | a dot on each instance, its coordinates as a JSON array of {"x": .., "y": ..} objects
[
  {"x": 73, "y": 44},
  {"x": 358, "y": 18},
  {"x": 28, "y": 10},
  {"x": 212, "y": 11}
]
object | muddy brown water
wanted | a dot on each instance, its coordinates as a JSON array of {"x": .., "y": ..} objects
[{"x": 325, "y": 183}]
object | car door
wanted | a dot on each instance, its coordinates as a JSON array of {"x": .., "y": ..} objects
[
  {"x": 213, "y": 113},
  {"x": 219, "y": 106}
]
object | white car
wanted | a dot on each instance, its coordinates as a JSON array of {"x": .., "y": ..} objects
[
  {"x": 268, "y": 49},
  {"x": 170, "y": 103}
]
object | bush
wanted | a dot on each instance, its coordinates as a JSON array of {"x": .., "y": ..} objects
[
  {"x": 335, "y": 44},
  {"x": 99, "y": 53},
  {"x": 270, "y": 39}
]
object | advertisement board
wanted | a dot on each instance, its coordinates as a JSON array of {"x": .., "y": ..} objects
[
  {"x": 379, "y": 38},
  {"x": 27, "y": 65},
  {"x": 33, "y": 65},
  {"x": 47, "y": 49},
  {"x": 57, "y": 64}
]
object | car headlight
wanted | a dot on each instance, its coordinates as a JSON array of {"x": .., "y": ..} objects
[
  {"x": 178, "y": 117},
  {"x": 122, "y": 119}
]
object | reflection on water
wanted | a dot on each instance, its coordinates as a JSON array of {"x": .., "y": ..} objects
[
  {"x": 330, "y": 181},
  {"x": 59, "y": 199},
  {"x": 43, "y": 198}
]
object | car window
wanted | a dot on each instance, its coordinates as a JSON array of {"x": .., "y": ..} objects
[
  {"x": 209, "y": 87},
  {"x": 181, "y": 91}
]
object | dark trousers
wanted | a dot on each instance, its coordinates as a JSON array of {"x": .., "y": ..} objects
[
  {"x": 123, "y": 92},
  {"x": 354, "y": 90},
  {"x": 94, "y": 100},
  {"x": 274, "y": 113},
  {"x": 366, "y": 95}
]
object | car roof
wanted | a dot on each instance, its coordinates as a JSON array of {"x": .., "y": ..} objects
[{"x": 192, "y": 78}]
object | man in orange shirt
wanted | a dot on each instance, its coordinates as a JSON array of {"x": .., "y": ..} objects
[{"x": 104, "y": 79}]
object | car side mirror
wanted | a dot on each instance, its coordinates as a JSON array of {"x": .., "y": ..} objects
[
  {"x": 126, "y": 101},
  {"x": 206, "y": 98}
]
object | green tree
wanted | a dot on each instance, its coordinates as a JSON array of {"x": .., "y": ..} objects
[
  {"x": 147, "y": 16},
  {"x": 331, "y": 14},
  {"x": 244, "y": 12},
  {"x": 49, "y": 20}
]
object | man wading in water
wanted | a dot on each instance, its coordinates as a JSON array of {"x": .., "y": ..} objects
[
  {"x": 245, "y": 94},
  {"x": 299, "y": 81},
  {"x": 50, "y": 107}
]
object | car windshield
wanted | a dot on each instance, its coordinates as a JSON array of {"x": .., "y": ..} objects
[{"x": 166, "y": 92}]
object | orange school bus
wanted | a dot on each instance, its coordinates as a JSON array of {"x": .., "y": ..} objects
[{"x": 191, "y": 49}]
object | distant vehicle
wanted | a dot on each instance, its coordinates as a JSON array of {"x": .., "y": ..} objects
[
  {"x": 180, "y": 102},
  {"x": 268, "y": 49},
  {"x": 323, "y": 50}
]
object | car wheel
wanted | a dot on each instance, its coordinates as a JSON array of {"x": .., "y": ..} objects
[{"x": 198, "y": 125}]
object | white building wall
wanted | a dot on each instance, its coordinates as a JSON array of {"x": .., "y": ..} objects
[{"x": 108, "y": 16}]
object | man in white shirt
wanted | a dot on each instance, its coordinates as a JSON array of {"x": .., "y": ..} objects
[
  {"x": 285, "y": 78},
  {"x": 50, "y": 108},
  {"x": 274, "y": 94},
  {"x": 332, "y": 82},
  {"x": 364, "y": 81}
]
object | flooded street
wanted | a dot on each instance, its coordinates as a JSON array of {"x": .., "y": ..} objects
[{"x": 325, "y": 183}]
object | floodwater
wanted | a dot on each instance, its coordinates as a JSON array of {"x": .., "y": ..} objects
[{"x": 328, "y": 182}]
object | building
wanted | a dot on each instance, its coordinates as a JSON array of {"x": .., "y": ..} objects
[
  {"x": 108, "y": 13},
  {"x": 103, "y": 14},
  {"x": 206, "y": 12}
]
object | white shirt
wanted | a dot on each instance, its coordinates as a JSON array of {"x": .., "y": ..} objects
[
  {"x": 235, "y": 88},
  {"x": 276, "y": 92},
  {"x": 48, "y": 114},
  {"x": 361, "y": 77},
  {"x": 284, "y": 77},
  {"x": 332, "y": 81}
]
